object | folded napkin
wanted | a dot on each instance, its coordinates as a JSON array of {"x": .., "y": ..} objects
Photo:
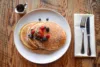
[{"x": 78, "y": 36}]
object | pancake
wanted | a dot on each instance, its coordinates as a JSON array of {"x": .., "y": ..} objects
[{"x": 56, "y": 41}]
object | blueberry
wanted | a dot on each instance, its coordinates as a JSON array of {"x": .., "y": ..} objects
[
  {"x": 37, "y": 38},
  {"x": 47, "y": 19},
  {"x": 44, "y": 39},
  {"x": 47, "y": 29},
  {"x": 30, "y": 36},
  {"x": 39, "y": 19}
]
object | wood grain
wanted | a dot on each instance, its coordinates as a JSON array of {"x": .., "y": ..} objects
[{"x": 9, "y": 56}]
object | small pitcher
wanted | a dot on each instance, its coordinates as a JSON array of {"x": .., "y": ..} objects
[{"x": 21, "y": 8}]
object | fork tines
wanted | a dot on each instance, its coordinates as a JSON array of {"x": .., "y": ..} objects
[{"x": 83, "y": 21}]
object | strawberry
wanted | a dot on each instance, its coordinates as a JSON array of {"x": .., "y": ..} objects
[
  {"x": 33, "y": 31},
  {"x": 41, "y": 34},
  {"x": 48, "y": 36},
  {"x": 42, "y": 28}
]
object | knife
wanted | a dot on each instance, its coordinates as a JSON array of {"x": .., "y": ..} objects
[{"x": 88, "y": 35}]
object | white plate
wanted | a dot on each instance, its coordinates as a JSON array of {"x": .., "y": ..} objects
[{"x": 34, "y": 16}]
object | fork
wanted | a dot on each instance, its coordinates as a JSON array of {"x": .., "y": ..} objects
[{"x": 82, "y": 26}]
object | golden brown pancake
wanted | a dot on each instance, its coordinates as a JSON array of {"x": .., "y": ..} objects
[{"x": 56, "y": 41}]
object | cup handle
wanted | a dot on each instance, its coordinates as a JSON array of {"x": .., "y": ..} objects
[{"x": 25, "y": 5}]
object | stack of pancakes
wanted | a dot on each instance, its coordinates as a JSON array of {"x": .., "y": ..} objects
[{"x": 56, "y": 41}]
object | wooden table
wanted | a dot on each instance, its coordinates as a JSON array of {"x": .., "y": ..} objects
[{"x": 10, "y": 57}]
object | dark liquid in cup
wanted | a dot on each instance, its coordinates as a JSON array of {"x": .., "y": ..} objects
[{"x": 20, "y": 8}]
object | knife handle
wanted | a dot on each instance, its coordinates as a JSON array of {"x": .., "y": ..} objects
[
  {"x": 82, "y": 48},
  {"x": 89, "y": 49}
]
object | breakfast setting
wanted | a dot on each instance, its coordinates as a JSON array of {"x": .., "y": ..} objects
[{"x": 47, "y": 33}]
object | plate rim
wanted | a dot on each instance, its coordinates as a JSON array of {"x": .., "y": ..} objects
[{"x": 48, "y": 10}]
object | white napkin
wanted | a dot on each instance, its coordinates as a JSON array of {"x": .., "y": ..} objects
[{"x": 78, "y": 36}]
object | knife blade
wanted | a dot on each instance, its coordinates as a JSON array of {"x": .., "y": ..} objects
[
  {"x": 88, "y": 25},
  {"x": 88, "y": 35}
]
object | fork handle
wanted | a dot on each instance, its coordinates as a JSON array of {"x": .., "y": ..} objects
[{"x": 82, "y": 48}]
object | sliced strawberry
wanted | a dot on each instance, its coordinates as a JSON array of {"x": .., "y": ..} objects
[
  {"x": 42, "y": 28},
  {"x": 48, "y": 36},
  {"x": 40, "y": 34},
  {"x": 32, "y": 31}
]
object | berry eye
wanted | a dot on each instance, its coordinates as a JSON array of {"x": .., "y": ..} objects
[
  {"x": 39, "y": 19},
  {"x": 47, "y": 19}
]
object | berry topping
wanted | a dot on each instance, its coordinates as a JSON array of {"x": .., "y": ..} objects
[
  {"x": 47, "y": 29},
  {"x": 48, "y": 36},
  {"x": 32, "y": 31},
  {"x": 40, "y": 34},
  {"x": 42, "y": 28},
  {"x": 44, "y": 39},
  {"x": 30, "y": 36},
  {"x": 37, "y": 38}
]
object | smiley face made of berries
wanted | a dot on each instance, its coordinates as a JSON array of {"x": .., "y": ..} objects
[{"x": 39, "y": 34}]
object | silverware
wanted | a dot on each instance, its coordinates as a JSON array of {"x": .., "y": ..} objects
[
  {"x": 82, "y": 26},
  {"x": 88, "y": 35}
]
